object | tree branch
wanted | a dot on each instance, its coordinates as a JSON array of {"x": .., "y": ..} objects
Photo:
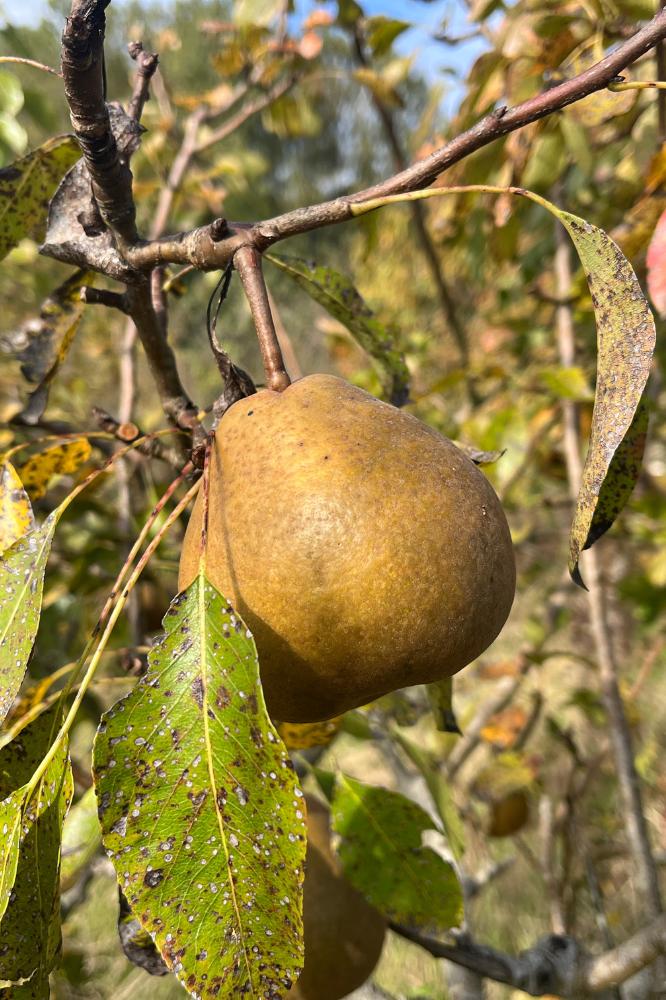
[
  {"x": 83, "y": 76},
  {"x": 248, "y": 265},
  {"x": 197, "y": 247},
  {"x": 555, "y": 965}
]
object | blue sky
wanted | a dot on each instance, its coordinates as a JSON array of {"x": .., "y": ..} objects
[{"x": 431, "y": 56}]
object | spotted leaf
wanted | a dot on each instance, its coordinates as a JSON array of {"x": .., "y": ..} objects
[
  {"x": 200, "y": 808},
  {"x": 59, "y": 460},
  {"x": 16, "y": 517},
  {"x": 41, "y": 343},
  {"x": 27, "y": 186},
  {"x": 336, "y": 293},
  {"x": 22, "y": 568},
  {"x": 30, "y": 927},
  {"x": 625, "y": 344},
  {"x": 383, "y": 856}
]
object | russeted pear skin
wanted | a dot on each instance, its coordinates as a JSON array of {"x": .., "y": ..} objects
[
  {"x": 343, "y": 933},
  {"x": 364, "y": 550}
]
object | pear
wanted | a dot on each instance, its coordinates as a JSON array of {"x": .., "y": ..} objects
[
  {"x": 365, "y": 552},
  {"x": 343, "y": 933}
]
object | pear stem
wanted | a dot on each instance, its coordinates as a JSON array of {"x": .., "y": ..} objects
[{"x": 248, "y": 264}]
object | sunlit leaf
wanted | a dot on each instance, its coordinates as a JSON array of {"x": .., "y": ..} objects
[
  {"x": 290, "y": 116},
  {"x": 382, "y": 31},
  {"x": 302, "y": 735},
  {"x": 383, "y": 856},
  {"x": 59, "y": 460},
  {"x": 26, "y": 187},
  {"x": 22, "y": 568},
  {"x": 250, "y": 12},
  {"x": 336, "y": 293},
  {"x": 42, "y": 343},
  {"x": 30, "y": 928},
  {"x": 200, "y": 808},
  {"x": 16, "y": 518}
]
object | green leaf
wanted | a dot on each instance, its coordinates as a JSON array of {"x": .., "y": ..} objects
[
  {"x": 383, "y": 857},
  {"x": 249, "y": 12},
  {"x": 625, "y": 344},
  {"x": 439, "y": 790},
  {"x": 42, "y": 344},
  {"x": 30, "y": 928},
  {"x": 11, "y": 93},
  {"x": 16, "y": 517},
  {"x": 22, "y": 568},
  {"x": 349, "y": 12},
  {"x": 27, "y": 186},
  {"x": 290, "y": 116},
  {"x": 11, "y": 812},
  {"x": 381, "y": 32},
  {"x": 566, "y": 383},
  {"x": 201, "y": 811},
  {"x": 81, "y": 838},
  {"x": 336, "y": 293}
]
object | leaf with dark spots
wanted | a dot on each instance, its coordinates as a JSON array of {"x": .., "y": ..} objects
[
  {"x": 26, "y": 187},
  {"x": 336, "y": 293},
  {"x": 625, "y": 344},
  {"x": 41, "y": 343},
  {"x": 383, "y": 856},
  {"x": 30, "y": 926},
  {"x": 16, "y": 517},
  {"x": 211, "y": 855}
]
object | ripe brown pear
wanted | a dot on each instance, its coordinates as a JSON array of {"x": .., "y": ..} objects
[
  {"x": 365, "y": 552},
  {"x": 343, "y": 933}
]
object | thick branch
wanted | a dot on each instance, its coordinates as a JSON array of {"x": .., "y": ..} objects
[
  {"x": 556, "y": 965},
  {"x": 200, "y": 249},
  {"x": 83, "y": 75}
]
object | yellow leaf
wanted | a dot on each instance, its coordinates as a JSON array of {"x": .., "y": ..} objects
[
  {"x": 301, "y": 736},
  {"x": 16, "y": 517},
  {"x": 38, "y": 471}
]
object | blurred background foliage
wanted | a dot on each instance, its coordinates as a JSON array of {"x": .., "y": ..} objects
[{"x": 536, "y": 789}]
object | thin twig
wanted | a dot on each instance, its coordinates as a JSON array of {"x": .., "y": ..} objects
[
  {"x": 31, "y": 62},
  {"x": 248, "y": 264}
]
